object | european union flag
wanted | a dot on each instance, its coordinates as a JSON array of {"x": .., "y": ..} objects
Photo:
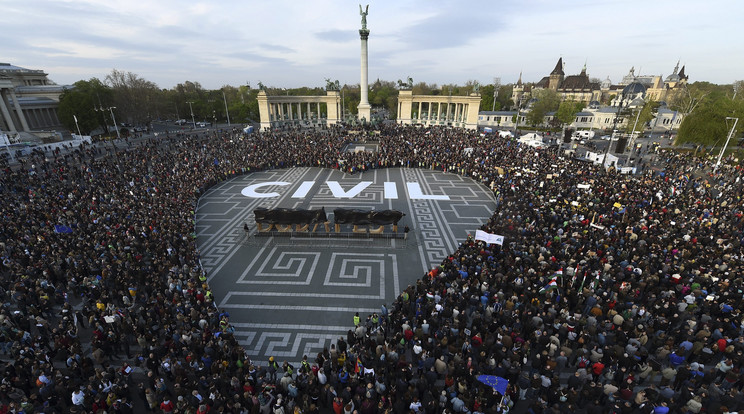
[
  {"x": 62, "y": 229},
  {"x": 497, "y": 383}
]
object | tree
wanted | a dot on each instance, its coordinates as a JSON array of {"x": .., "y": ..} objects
[
  {"x": 547, "y": 101},
  {"x": 384, "y": 95},
  {"x": 504, "y": 97},
  {"x": 134, "y": 96},
  {"x": 686, "y": 99},
  {"x": 738, "y": 88},
  {"x": 487, "y": 99},
  {"x": 707, "y": 125},
  {"x": 422, "y": 88},
  {"x": 647, "y": 113},
  {"x": 567, "y": 111},
  {"x": 81, "y": 101},
  {"x": 351, "y": 96}
]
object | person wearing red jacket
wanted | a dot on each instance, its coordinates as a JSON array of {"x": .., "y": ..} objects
[
  {"x": 597, "y": 369},
  {"x": 167, "y": 406}
]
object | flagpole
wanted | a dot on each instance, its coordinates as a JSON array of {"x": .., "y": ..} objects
[{"x": 582, "y": 282}]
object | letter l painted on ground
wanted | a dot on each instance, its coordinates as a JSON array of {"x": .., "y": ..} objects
[{"x": 415, "y": 193}]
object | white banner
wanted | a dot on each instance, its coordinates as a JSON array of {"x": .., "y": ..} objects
[{"x": 489, "y": 238}]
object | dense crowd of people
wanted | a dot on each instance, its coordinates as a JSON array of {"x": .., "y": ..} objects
[{"x": 106, "y": 308}]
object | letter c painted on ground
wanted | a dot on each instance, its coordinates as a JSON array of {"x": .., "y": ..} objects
[{"x": 250, "y": 191}]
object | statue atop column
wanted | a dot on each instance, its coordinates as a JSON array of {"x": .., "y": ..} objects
[
  {"x": 332, "y": 86},
  {"x": 364, "y": 16},
  {"x": 405, "y": 85}
]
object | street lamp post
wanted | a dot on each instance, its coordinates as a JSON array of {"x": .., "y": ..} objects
[
  {"x": 77, "y": 126},
  {"x": 614, "y": 128},
  {"x": 116, "y": 126},
  {"x": 193, "y": 121},
  {"x": 226, "y": 110},
  {"x": 113, "y": 118},
  {"x": 519, "y": 107},
  {"x": 633, "y": 136},
  {"x": 718, "y": 161},
  {"x": 105, "y": 124}
]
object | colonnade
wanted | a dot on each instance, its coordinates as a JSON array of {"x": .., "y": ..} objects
[
  {"x": 280, "y": 110},
  {"x": 293, "y": 111},
  {"x": 441, "y": 112},
  {"x": 455, "y": 111},
  {"x": 15, "y": 120}
]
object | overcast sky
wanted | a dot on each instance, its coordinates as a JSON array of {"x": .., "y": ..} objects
[{"x": 293, "y": 43}]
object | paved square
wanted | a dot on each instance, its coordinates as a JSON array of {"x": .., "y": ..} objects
[{"x": 291, "y": 296}]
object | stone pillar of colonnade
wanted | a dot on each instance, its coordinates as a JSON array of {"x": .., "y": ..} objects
[
  {"x": 19, "y": 112},
  {"x": 6, "y": 112},
  {"x": 333, "y": 106},
  {"x": 264, "y": 110}
]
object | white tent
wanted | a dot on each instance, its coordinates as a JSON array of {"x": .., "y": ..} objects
[
  {"x": 533, "y": 140},
  {"x": 531, "y": 137}
]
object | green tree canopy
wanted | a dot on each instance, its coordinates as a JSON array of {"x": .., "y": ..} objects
[
  {"x": 547, "y": 101},
  {"x": 567, "y": 111},
  {"x": 84, "y": 101},
  {"x": 647, "y": 113},
  {"x": 384, "y": 95},
  {"x": 134, "y": 97},
  {"x": 707, "y": 124}
]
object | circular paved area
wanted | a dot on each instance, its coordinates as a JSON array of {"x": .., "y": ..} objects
[{"x": 292, "y": 296}]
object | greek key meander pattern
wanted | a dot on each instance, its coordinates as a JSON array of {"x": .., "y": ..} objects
[{"x": 290, "y": 298}]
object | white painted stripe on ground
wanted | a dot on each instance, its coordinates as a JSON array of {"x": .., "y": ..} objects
[
  {"x": 390, "y": 190},
  {"x": 305, "y": 295},
  {"x": 289, "y": 326},
  {"x": 302, "y": 308}
]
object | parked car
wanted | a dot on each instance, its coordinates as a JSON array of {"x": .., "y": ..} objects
[
  {"x": 579, "y": 135},
  {"x": 181, "y": 122},
  {"x": 505, "y": 134}
]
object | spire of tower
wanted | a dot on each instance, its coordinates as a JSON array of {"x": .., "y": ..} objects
[{"x": 558, "y": 68}]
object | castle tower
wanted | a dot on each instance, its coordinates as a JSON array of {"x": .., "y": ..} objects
[{"x": 556, "y": 76}]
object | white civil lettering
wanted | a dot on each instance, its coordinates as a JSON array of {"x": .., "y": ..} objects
[
  {"x": 304, "y": 188},
  {"x": 391, "y": 190},
  {"x": 415, "y": 193},
  {"x": 339, "y": 192},
  {"x": 250, "y": 191}
]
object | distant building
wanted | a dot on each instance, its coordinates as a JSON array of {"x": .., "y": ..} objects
[
  {"x": 28, "y": 100},
  {"x": 570, "y": 88},
  {"x": 581, "y": 88},
  {"x": 603, "y": 98}
]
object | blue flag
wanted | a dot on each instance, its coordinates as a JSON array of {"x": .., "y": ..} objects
[
  {"x": 497, "y": 383},
  {"x": 62, "y": 229}
]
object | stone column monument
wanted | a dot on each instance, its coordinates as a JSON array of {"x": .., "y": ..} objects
[{"x": 364, "y": 108}]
